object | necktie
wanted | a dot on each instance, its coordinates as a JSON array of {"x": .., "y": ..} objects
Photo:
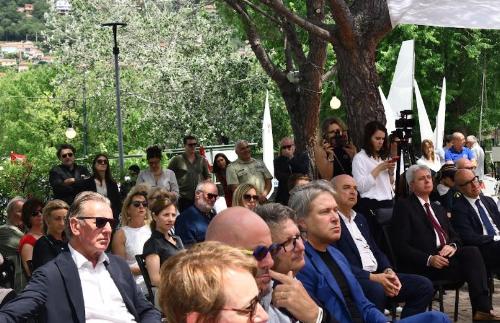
[
  {"x": 484, "y": 218},
  {"x": 437, "y": 227}
]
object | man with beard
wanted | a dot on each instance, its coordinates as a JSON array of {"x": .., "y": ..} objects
[
  {"x": 243, "y": 229},
  {"x": 83, "y": 283}
]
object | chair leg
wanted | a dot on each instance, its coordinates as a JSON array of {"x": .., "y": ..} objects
[
  {"x": 457, "y": 298},
  {"x": 441, "y": 302}
]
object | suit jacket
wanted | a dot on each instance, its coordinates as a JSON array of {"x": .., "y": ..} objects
[
  {"x": 323, "y": 288},
  {"x": 55, "y": 293},
  {"x": 113, "y": 193},
  {"x": 58, "y": 174},
  {"x": 413, "y": 236},
  {"x": 467, "y": 223},
  {"x": 348, "y": 247}
]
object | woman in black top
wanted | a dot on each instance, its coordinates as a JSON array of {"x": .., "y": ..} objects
[
  {"x": 54, "y": 241},
  {"x": 162, "y": 243}
]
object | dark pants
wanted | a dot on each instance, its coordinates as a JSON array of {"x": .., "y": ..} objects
[
  {"x": 368, "y": 207},
  {"x": 467, "y": 264},
  {"x": 491, "y": 254},
  {"x": 416, "y": 292}
]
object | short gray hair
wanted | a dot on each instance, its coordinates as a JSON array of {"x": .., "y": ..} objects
[
  {"x": 301, "y": 199},
  {"x": 12, "y": 203},
  {"x": 78, "y": 205},
  {"x": 201, "y": 185},
  {"x": 274, "y": 214},
  {"x": 472, "y": 139},
  {"x": 239, "y": 142},
  {"x": 410, "y": 172}
]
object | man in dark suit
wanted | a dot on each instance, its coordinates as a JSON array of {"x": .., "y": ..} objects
[
  {"x": 83, "y": 283},
  {"x": 476, "y": 217},
  {"x": 369, "y": 264},
  {"x": 426, "y": 244}
]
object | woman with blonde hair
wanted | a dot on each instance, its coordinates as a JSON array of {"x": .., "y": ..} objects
[
  {"x": 245, "y": 195},
  {"x": 429, "y": 157},
  {"x": 129, "y": 239}
]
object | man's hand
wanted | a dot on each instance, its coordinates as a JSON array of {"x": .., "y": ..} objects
[
  {"x": 351, "y": 150},
  {"x": 438, "y": 262},
  {"x": 447, "y": 251},
  {"x": 69, "y": 181},
  {"x": 292, "y": 295},
  {"x": 389, "y": 281}
]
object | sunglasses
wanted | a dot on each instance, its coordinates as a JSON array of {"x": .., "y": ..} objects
[
  {"x": 67, "y": 155},
  {"x": 36, "y": 213},
  {"x": 260, "y": 252},
  {"x": 102, "y": 161},
  {"x": 139, "y": 203},
  {"x": 287, "y": 147},
  {"x": 192, "y": 144},
  {"x": 100, "y": 222},
  {"x": 250, "y": 310},
  {"x": 249, "y": 197},
  {"x": 211, "y": 196}
]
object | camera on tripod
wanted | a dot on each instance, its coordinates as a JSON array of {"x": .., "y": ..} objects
[{"x": 404, "y": 126}]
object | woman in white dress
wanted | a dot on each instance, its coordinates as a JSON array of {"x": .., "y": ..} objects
[
  {"x": 429, "y": 157},
  {"x": 129, "y": 240}
]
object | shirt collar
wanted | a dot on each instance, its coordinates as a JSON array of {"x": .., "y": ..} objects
[
  {"x": 346, "y": 219},
  {"x": 422, "y": 201},
  {"x": 80, "y": 260},
  {"x": 471, "y": 199}
]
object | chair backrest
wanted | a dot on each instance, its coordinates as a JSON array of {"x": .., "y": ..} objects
[
  {"x": 7, "y": 273},
  {"x": 386, "y": 228},
  {"x": 141, "y": 261}
]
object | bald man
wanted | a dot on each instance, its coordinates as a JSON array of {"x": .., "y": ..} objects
[
  {"x": 457, "y": 150},
  {"x": 464, "y": 163},
  {"x": 241, "y": 228},
  {"x": 476, "y": 217}
]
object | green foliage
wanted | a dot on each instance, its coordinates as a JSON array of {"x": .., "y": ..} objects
[{"x": 19, "y": 26}]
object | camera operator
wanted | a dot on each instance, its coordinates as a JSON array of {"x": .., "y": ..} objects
[{"x": 334, "y": 153}]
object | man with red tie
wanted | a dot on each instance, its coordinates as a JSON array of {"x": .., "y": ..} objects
[{"x": 426, "y": 244}]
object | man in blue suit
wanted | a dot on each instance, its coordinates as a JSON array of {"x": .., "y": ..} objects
[
  {"x": 83, "y": 284},
  {"x": 327, "y": 274},
  {"x": 369, "y": 264}
]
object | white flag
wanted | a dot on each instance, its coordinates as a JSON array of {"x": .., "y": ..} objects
[{"x": 267, "y": 140}]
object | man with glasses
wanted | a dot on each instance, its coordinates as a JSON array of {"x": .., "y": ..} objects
[
  {"x": 283, "y": 169},
  {"x": 190, "y": 168},
  {"x": 426, "y": 244},
  {"x": 476, "y": 217},
  {"x": 83, "y": 283},
  {"x": 241, "y": 228},
  {"x": 62, "y": 177},
  {"x": 192, "y": 223},
  {"x": 369, "y": 264},
  {"x": 246, "y": 169}
]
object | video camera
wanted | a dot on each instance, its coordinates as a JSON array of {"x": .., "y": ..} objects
[
  {"x": 340, "y": 139},
  {"x": 404, "y": 126}
]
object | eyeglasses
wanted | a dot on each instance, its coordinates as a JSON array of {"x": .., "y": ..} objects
[
  {"x": 36, "y": 213},
  {"x": 250, "y": 310},
  {"x": 194, "y": 144},
  {"x": 67, "y": 155},
  {"x": 139, "y": 203},
  {"x": 293, "y": 241},
  {"x": 102, "y": 161},
  {"x": 475, "y": 181},
  {"x": 287, "y": 147},
  {"x": 260, "y": 252},
  {"x": 100, "y": 222},
  {"x": 249, "y": 197}
]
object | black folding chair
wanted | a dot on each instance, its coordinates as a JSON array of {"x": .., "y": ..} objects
[
  {"x": 141, "y": 261},
  {"x": 7, "y": 273}
]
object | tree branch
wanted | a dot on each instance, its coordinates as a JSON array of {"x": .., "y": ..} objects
[
  {"x": 262, "y": 12},
  {"x": 293, "y": 42},
  {"x": 329, "y": 74},
  {"x": 344, "y": 22}
]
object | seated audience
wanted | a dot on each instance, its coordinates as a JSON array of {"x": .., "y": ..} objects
[
  {"x": 157, "y": 193},
  {"x": 426, "y": 244},
  {"x": 476, "y": 217},
  {"x": 464, "y": 163},
  {"x": 327, "y": 274},
  {"x": 134, "y": 231},
  {"x": 33, "y": 221},
  {"x": 162, "y": 244},
  {"x": 369, "y": 264},
  {"x": 457, "y": 149},
  {"x": 102, "y": 182},
  {"x": 192, "y": 223},
  {"x": 245, "y": 195},
  {"x": 429, "y": 157},
  {"x": 243, "y": 229},
  {"x": 155, "y": 175},
  {"x": 210, "y": 282},
  {"x": 12, "y": 231},
  {"x": 446, "y": 186},
  {"x": 54, "y": 241},
  {"x": 219, "y": 170},
  {"x": 83, "y": 284}
]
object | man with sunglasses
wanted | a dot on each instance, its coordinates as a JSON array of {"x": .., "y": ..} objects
[
  {"x": 192, "y": 223},
  {"x": 190, "y": 168},
  {"x": 63, "y": 177},
  {"x": 84, "y": 283},
  {"x": 246, "y": 169},
  {"x": 369, "y": 264},
  {"x": 283, "y": 169},
  {"x": 476, "y": 217},
  {"x": 241, "y": 228}
]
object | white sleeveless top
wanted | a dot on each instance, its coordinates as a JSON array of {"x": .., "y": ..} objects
[{"x": 135, "y": 238}]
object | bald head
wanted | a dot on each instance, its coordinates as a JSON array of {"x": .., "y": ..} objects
[
  {"x": 467, "y": 183},
  {"x": 458, "y": 140},
  {"x": 339, "y": 179},
  {"x": 464, "y": 163},
  {"x": 346, "y": 194},
  {"x": 238, "y": 227}
]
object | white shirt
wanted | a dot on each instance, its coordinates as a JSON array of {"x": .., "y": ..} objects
[
  {"x": 102, "y": 299},
  {"x": 368, "y": 260},
  {"x": 479, "y": 153},
  {"x": 379, "y": 188},
  {"x": 472, "y": 202},
  {"x": 167, "y": 180},
  {"x": 435, "y": 164},
  {"x": 422, "y": 202},
  {"x": 101, "y": 188}
]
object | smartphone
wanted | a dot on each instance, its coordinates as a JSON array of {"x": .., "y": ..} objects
[{"x": 394, "y": 159}]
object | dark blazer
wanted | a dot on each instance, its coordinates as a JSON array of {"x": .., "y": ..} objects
[
  {"x": 55, "y": 293},
  {"x": 348, "y": 247},
  {"x": 58, "y": 174},
  {"x": 466, "y": 221},
  {"x": 282, "y": 171},
  {"x": 324, "y": 289},
  {"x": 113, "y": 193},
  {"x": 412, "y": 234}
]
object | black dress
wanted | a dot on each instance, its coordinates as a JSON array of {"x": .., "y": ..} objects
[
  {"x": 47, "y": 248},
  {"x": 158, "y": 245}
]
